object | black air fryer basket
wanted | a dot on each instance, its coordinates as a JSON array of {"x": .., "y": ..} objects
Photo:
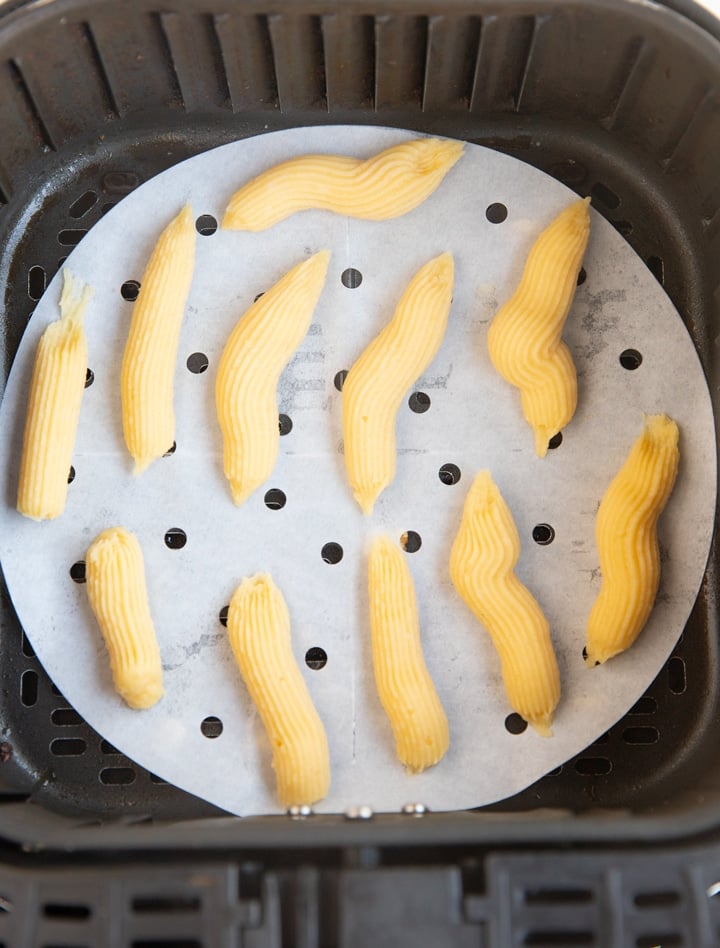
[{"x": 618, "y": 99}]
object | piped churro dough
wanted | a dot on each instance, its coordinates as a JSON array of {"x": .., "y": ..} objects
[
  {"x": 524, "y": 339},
  {"x": 387, "y": 185},
  {"x": 626, "y": 535}
]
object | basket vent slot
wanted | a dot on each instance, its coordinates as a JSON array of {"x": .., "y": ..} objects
[
  {"x": 66, "y": 911},
  {"x": 166, "y": 904},
  {"x": 564, "y": 896},
  {"x": 540, "y": 938}
]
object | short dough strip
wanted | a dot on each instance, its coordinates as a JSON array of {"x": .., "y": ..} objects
[
  {"x": 482, "y": 562},
  {"x": 375, "y": 385},
  {"x": 387, "y": 185},
  {"x": 626, "y": 535},
  {"x": 404, "y": 685},
  {"x": 259, "y": 631}
]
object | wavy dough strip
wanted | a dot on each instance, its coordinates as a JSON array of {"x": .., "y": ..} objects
[
  {"x": 375, "y": 385},
  {"x": 257, "y": 351},
  {"x": 482, "y": 562},
  {"x": 387, "y": 185},
  {"x": 259, "y": 630},
  {"x": 148, "y": 366},
  {"x": 524, "y": 339},
  {"x": 626, "y": 534},
  {"x": 404, "y": 685},
  {"x": 116, "y": 588},
  {"x": 53, "y": 412}
]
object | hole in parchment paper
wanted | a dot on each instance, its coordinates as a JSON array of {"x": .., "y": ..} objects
[
  {"x": 419, "y": 402},
  {"x": 351, "y": 278},
  {"x": 175, "y": 538},
  {"x": 197, "y": 362},
  {"x": 515, "y": 724},
  {"x": 582, "y": 276},
  {"x": 77, "y": 572},
  {"x": 449, "y": 474},
  {"x": 211, "y": 726},
  {"x": 411, "y": 541},
  {"x": 630, "y": 359},
  {"x": 258, "y": 296},
  {"x": 496, "y": 213},
  {"x": 129, "y": 290},
  {"x": 89, "y": 377},
  {"x": 543, "y": 534},
  {"x": 316, "y": 658},
  {"x": 275, "y": 499},
  {"x": 223, "y": 615},
  {"x": 555, "y": 441},
  {"x": 206, "y": 225},
  {"x": 339, "y": 379},
  {"x": 71, "y": 474},
  {"x": 332, "y": 553},
  {"x": 285, "y": 424},
  {"x": 171, "y": 450}
]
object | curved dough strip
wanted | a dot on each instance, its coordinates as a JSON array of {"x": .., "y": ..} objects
[
  {"x": 377, "y": 382},
  {"x": 482, "y": 562},
  {"x": 404, "y": 685},
  {"x": 387, "y": 185},
  {"x": 626, "y": 534},
  {"x": 524, "y": 339},
  {"x": 259, "y": 348},
  {"x": 259, "y": 631}
]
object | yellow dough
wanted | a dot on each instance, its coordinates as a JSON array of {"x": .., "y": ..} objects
[
  {"x": 626, "y": 534},
  {"x": 404, "y": 685},
  {"x": 482, "y": 562},
  {"x": 53, "y": 410},
  {"x": 387, "y": 185},
  {"x": 116, "y": 588},
  {"x": 377, "y": 382},
  {"x": 148, "y": 366},
  {"x": 524, "y": 339},
  {"x": 259, "y": 348},
  {"x": 259, "y": 631}
]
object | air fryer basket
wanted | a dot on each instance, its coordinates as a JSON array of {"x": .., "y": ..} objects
[{"x": 619, "y": 100}]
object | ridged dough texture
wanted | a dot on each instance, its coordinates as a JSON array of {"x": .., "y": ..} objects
[
  {"x": 259, "y": 630},
  {"x": 115, "y": 574},
  {"x": 147, "y": 378},
  {"x": 387, "y": 185},
  {"x": 404, "y": 685},
  {"x": 482, "y": 562},
  {"x": 259, "y": 348},
  {"x": 375, "y": 385},
  {"x": 626, "y": 536},
  {"x": 524, "y": 339},
  {"x": 53, "y": 411}
]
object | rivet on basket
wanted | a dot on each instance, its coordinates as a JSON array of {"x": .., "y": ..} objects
[
  {"x": 362, "y": 812},
  {"x": 414, "y": 809},
  {"x": 296, "y": 812}
]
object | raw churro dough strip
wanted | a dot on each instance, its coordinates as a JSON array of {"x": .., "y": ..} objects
[
  {"x": 524, "y": 339},
  {"x": 626, "y": 535},
  {"x": 377, "y": 382},
  {"x": 53, "y": 412},
  {"x": 404, "y": 685},
  {"x": 117, "y": 591},
  {"x": 482, "y": 562},
  {"x": 387, "y": 185},
  {"x": 259, "y": 631},
  {"x": 147, "y": 378},
  {"x": 259, "y": 348}
]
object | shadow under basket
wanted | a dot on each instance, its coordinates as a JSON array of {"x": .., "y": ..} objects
[{"x": 618, "y": 100}]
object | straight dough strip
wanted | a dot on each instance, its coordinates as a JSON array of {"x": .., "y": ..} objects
[
  {"x": 626, "y": 535},
  {"x": 376, "y": 383},
  {"x": 524, "y": 338},
  {"x": 259, "y": 348},
  {"x": 259, "y": 631},
  {"x": 148, "y": 367},
  {"x": 387, "y": 185},
  {"x": 53, "y": 412},
  {"x": 116, "y": 588},
  {"x": 404, "y": 685},
  {"x": 482, "y": 562}
]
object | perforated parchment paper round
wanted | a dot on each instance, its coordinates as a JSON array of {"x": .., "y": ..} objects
[{"x": 472, "y": 419}]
